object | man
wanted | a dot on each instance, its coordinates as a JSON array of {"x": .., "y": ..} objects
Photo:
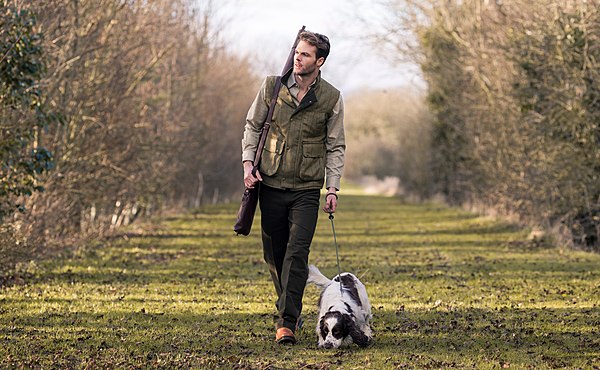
[{"x": 305, "y": 143}]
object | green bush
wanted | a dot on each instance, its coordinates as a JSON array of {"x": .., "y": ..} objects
[
  {"x": 514, "y": 93},
  {"x": 22, "y": 159}
]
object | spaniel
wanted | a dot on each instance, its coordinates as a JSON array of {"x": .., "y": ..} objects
[{"x": 344, "y": 314}]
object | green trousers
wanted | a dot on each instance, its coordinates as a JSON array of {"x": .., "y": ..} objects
[{"x": 288, "y": 221}]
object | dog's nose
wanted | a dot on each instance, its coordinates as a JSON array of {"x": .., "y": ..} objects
[{"x": 327, "y": 345}]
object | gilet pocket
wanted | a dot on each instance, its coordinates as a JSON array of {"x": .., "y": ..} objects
[
  {"x": 312, "y": 165},
  {"x": 271, "y": 156}
]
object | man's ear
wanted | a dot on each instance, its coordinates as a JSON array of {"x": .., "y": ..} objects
[{"x": 320, "y": 61}]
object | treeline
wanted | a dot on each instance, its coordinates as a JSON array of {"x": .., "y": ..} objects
[
  {"x": 514, "y": 88},
  {"x": 112, "y": 109},
  {"x": 388, "y": 135}
]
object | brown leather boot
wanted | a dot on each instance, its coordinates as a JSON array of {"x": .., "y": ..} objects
[{"x": 285, "y": 336}]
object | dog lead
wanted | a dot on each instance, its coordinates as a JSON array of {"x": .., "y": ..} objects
[{"x": 337, "y": 254}]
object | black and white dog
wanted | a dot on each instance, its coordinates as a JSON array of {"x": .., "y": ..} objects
[{"x": 343, "y": 315}]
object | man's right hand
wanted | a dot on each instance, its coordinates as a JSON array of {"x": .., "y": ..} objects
[{"x": 249, "y": 179}]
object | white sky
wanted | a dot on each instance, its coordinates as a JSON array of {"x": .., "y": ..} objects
[{"x": 264, "y": 30}]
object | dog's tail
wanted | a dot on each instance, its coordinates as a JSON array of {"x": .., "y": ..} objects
[{"x": 316, "y": 277}]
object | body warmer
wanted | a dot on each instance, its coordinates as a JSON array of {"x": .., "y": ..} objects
[{"x": 295, "y": 150}]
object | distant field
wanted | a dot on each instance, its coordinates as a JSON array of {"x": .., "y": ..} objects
[{"x": 449, "y": 290}]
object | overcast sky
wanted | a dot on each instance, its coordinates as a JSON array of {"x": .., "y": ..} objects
[{"x": 264, "y": 31}]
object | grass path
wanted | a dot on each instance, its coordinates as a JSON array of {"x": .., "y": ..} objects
[{"x": 448, "y": 288}]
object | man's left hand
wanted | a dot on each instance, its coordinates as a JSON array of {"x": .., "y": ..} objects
[{"x": 330, "y": 201}]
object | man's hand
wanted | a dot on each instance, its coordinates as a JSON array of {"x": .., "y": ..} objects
[
  {"x": 249, "y": 179},
  {"x": 330, "y": 201}
]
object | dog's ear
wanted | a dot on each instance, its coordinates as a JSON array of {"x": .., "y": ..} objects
[
  {"x": 357, "y": 335},
  {"x": 322, "y": 332}
]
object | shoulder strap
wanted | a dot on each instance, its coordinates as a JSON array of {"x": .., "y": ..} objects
[{"x": 267, "y": 125}]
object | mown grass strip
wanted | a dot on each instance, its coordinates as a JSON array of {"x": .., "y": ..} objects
[{"x": 448, "y": 288}]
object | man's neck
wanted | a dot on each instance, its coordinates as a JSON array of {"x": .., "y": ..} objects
[{"x": 305, "y": 81}]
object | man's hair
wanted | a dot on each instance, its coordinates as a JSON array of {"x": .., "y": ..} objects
[{"x": 321, "y": 42}]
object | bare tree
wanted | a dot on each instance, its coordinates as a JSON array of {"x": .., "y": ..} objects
[
  {"x": 511, "y": 86},
  {"x": 149, "y": 102}
]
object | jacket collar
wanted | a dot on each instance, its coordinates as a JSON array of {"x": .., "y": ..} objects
[{"x": 310, "y": 98}]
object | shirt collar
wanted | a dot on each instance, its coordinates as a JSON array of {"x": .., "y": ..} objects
[{"x": 291, "y": 81}]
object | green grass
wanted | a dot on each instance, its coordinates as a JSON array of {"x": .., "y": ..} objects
[{"x": 448, "y": 289}]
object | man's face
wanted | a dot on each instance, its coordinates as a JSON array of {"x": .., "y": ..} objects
[{"x": 305, "y": 61}]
